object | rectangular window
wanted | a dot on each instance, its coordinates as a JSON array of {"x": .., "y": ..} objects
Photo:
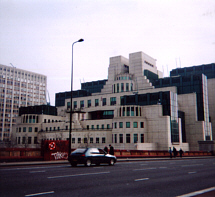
[
  {"x": 117, "y": 87},
  {"x": 23, "y": 140},
  {"x": 141, "y": 124},
  {"x": 108, "y": 126},
  {"x": 127, "y": 124},
  {"x": 128, "y": 138},
  {"x": 132, "y": 111},
  {"x": 122, "y": 87},
  {"x": 24, "y": 129},
  {"x": 36, "y": 129},
  {"x": 97, "y": 140},
  {"x": 30, "y": 129},
  {"x": 104, "y": 101},
  {"x": 135, "y": 138},
  {"x": 82, "y": 103},
  {"x": 92, "y": 126},
  {"x": 88, "y": 127},
  {"x": 128, "y": 111},
  {"x": 115, "y": 125},
  {"x": 103, "y": 126},
  {"x": 85, "y": 140},
  {"x": 79, "y": 140},
  {"x": 97, "y": 126},
  {"x": 120, "y": 138},
  {"x": 20, "y": 129},
  {"x": 73, "y": 140},
  {"x": 135, "y": 124},
  {"x": 35, "y": 140},
  {"x": 115, "y": 138},
  {"x": 142, "y": 138},
  {"x": 75, "y": 104},
  {"x": 127, "y": 87},
  {"x": 91, "y": 140},
  {"x": 120, "y": 124},
  {"x": 103, "y": 140},
  {"x": 113, "y": 101},
  {"x": 29, "y": 140},
  {"x": 18, "y": 140},
  {"x": 96, "y": 102},
  {"x": 89, "y": 103},
  {"x": 68, "y": 105},
  {"x": 123, "y": 111}
]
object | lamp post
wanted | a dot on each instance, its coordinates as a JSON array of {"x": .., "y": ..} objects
[{"x": 70, "y": 123}]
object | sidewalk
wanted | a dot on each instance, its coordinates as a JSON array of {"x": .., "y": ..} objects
[{"x": 5, "y": 164}]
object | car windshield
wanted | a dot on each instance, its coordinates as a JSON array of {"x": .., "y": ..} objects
[{"x": 79, "y": 150}]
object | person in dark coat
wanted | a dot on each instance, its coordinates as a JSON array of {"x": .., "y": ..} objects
[
  {"x": 106, "y": 149},
  {"x": 181, "y": 152},
  {"x": 174, "y": 152},
  {"x": 170, "y": 152},
  {"x": 111, "y": 152}
]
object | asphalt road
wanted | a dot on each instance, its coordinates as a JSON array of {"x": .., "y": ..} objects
[{"x": 143, "y": 178}]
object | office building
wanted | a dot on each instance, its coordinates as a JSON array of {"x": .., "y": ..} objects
[{"x": 18, "y": 88}]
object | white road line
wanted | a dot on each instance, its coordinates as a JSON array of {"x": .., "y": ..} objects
[
  {"x": 192, "y": 165},
  {"x": 198, "y": 192},
  {"x": 37, "y": 171},
  {"x": 145, "y": 169},
  {"x": 73, "y": 175},
  {"x": 162, "y": 167},
  {"x": 191, "y": 172},
  {"x": 143, "y": 164},
  {"x": 143, "y": 179},
  {"x": 38, "y": 194}
]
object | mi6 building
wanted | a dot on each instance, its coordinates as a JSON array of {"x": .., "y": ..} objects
[{"x": 135, "y": 108}]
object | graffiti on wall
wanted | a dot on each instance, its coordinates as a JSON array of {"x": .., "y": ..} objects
[{"x": 60, "y": 155}]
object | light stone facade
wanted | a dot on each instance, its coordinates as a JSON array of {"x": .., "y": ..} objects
[{"x": 102, "y": 118}]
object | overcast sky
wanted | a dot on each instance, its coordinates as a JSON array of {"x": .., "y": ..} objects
[{"x": 37, "y": 35}]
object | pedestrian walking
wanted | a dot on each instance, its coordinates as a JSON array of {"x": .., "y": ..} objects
[
  {"x": 170, "y": 152},
  {"x": 181, "y": 152},
  {"x": 174, "y": 151},
  {"x": 106, "y": 149},
  {"x": 111, "y": 152}
]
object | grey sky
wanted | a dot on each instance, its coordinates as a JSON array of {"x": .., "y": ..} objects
[{"x": 37, "y": 35}]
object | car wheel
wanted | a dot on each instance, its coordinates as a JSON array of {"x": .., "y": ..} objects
[
  {"x": 88, "y": 163},
  {"x": 111, "y": 162},
  {"x": 73, "y": 164}
]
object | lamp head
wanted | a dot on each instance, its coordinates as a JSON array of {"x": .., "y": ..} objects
[{"x": 81, "y": 40}]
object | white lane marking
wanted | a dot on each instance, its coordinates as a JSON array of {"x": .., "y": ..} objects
[
  {"x": 37, "y": 171},
  {"x": 192, "y": 165},
  {"x": 143, "y": 164},
  {"x": 143, "y": 179},
  {"x": 162, "y": 167},
  {"x": 38, "y": 194},
  {"x": 34, "y": 168},
  {"x": 145, "y": 169},
  {"x": 73, "y": 175},
  {"x": 191, "y": 172},
  {"x": 198, "y": 192}
]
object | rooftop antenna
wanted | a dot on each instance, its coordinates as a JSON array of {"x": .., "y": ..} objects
[
  {"x": 176, "y": 62},
  {"x": 12, "y": 65},
  {"x": 180, "y": 61}
]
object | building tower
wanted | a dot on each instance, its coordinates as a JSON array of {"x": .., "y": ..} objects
[{"x": 18, "y": 88}]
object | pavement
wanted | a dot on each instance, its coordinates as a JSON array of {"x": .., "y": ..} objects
[{"x": 25, "y": 163}]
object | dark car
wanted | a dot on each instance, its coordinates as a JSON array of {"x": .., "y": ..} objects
[{"x": 90, "y": 156}]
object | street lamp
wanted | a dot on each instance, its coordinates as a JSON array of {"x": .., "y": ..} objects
[{"x": 70, "y": 123}]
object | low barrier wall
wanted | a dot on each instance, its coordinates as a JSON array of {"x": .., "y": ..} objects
[{"x": 58, "y": 150}]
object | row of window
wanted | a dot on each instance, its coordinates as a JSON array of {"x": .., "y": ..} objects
[
  {"x": 128, "y": 125},
  {"x": 24, "y": 129},
  {"x": 122, "y": 87},
  {"x": 26, "y": 140},
  {"x": 119, "y": 138},
  {"x": 96, "y": 103},
  {"x": 88, "y": 140}
]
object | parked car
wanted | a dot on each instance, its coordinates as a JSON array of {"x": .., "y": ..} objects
[{"x": 89, "y": 156}]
